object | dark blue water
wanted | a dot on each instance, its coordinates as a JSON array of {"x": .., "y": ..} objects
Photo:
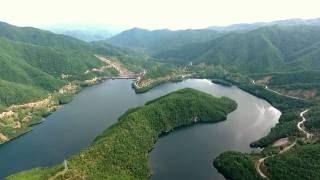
[{"x": 186, "y": 153}]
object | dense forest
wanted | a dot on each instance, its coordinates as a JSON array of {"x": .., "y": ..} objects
[
  {"x": 153, "y": 42},
  {"x": 235, "y": 165},
  {"x": 299, "y": 163},
  {"x": 267, "y": 49}
]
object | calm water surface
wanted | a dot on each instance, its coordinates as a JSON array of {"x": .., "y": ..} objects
[{"x": 184, "y": 154}]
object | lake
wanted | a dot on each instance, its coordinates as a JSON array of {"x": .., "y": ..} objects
[{"x": 184, "y": 154}]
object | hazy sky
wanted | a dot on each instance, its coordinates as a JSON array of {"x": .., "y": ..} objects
[{"x": 153, "y": 14}]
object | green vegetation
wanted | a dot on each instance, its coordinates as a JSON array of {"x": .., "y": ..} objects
[
  {"x": 281, "y": 130},
  {"x": 160, "y": 70},
  {"x": 121, "y": 152},
  {"x": 285, "y": 58},
  {"x": 39, "y": 173},
  {"x": 11, "y": 93},
  {"x": 301, "y": 162},
  {"x": 286, "y": 127},
  {"x": 158, "y": 74},
  {"x": 153, "y": 42},
  {"x": 22, "y": 118},
  {"x": 295, "y": 77},
  {"x": 34, "y": 65},
  {"x": 153, "y": 84},
  {"x": 237, "y": 166},
  {"x": 313, "y": 122},
  {"x": 65, "y": 98},
  {"x": 267, "y": 49},
  {"x": 133, "y": 61},
  {"x": 33, "y": 61}
]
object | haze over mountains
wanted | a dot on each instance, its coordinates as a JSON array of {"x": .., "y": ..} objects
[
  {"x": 88, "y": 32},
  {"x": 85, "y": 32},
  {"x": 153, "y": 41},
  {"x": 251, "y": 26}
]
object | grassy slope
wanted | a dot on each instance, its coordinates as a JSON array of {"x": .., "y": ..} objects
[{"x": 121, "y": 152}]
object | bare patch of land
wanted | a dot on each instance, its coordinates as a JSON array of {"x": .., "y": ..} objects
[
  {"x": 302, "y": 93},
  {"x": 281, "y": 142},
  {"x": 264, "y": 81},
  {"x": 123, "y": 72}
]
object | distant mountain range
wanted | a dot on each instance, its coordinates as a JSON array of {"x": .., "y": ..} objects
[
  {"x": 252, "y": 26},
  {"x": 252, "y": 48},
  {"x": 87, "y": 36},
  {"x": 84, "y": 32},
  {"x": 265, "y": 49},
  {"x": 160, "y": 40}
]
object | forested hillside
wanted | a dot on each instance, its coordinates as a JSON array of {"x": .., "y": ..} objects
[
  {"x": 267, "y": 49},
  {"x": 156, "y": 41},
  {"x": 33, "y": 62},
  {"x": 40, "y": 71}
]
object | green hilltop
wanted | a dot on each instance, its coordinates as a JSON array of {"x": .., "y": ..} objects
[{"x": 267, "y": 49}]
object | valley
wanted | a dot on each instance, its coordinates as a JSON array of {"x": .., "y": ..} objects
[{"x": 275, "y": 68}]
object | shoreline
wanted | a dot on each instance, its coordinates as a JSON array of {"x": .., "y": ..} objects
[
  {"x": 42, "y": 108},
  {"x": 79, "y": 87},
  {"x": 107, "y": 78}
]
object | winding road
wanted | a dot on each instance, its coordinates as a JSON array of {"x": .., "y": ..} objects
[
  {"x": 292, "y": 97},
  {"x": 276, "y": 92},
  {"x": 258, "y": 165},
  {"x": 259, "y": 162},
  {"x": 300, "y": 124}
]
